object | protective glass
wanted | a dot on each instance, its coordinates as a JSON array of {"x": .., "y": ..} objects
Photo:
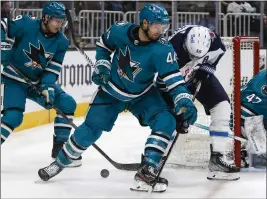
[
  {"x": 62, "y": 22},
  {"x": 162, "y": 28}
]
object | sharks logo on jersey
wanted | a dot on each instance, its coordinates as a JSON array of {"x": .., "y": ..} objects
[
  {"x": 127, "y": 68},
  {"x": 39, "y": 58}
]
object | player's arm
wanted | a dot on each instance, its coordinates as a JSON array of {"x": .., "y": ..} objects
[
  {"x": 169, "y": 74},
  {"x": 11, "y": 29},
  {"x": 5, "y": 43},
  {"x": 53, "y": 69},
  {"x": 16, "y": 26},
  {"x": 168, "y": 71},
  {"x": 105, "y": 46}
]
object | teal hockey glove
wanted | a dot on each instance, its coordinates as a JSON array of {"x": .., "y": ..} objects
[
  {"x": 102, "y": 74},
  {"x": 184, "y": 104}
]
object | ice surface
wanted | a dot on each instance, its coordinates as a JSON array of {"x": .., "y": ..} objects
[{"x": 27, "y": 151}]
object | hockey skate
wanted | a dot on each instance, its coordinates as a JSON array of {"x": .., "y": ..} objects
[
  {"x": 57, "y": 146},
  {"x": 145, "y": 179},
  {"x": 50, "y": 171},
  {"x": 222, "y": 167}
]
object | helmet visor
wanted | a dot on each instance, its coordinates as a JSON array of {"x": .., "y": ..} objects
[
  {"x": 62, "y": 22},
  {"x": 161, "y": 28}
]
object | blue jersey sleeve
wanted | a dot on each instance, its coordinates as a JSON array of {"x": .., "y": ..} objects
[
  {"x": 16, "y": 26},
  {"x": 168, "y": 70},
  {"x": 106, "y": 45},
  {"x": 108, "y": 42}
]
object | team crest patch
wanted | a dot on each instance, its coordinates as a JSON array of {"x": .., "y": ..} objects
[
  {"x": 127, "y": 68},
  {"x": 38, "y": 57}
]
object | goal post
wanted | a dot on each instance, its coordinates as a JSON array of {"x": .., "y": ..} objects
[{"x": 239, "y": 44}]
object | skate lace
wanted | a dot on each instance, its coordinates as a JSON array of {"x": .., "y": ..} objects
[
  {"x": 224, "y": 163},
  {"x": 151, "y": 171},
  {"x": 52, "y": 169}
]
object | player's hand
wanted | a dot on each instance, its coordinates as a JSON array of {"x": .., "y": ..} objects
[
  {"x": 184, "y": 105},
  {"x": 102, "y": 74},
  {"x": 49, "y": 95},
  {"x": 182, "y": 125}
]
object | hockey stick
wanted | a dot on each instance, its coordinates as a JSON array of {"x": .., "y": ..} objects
[
  {"x": 183, "y": 125},
  {"x": 69, "y": 19},
  {"x": 90, "y": 62},
  {"x": 201, "y": 126},
  {"x": 120, "y": 166}
]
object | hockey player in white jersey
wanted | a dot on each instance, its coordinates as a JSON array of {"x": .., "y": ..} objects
[{"x": 198, "y": 51}]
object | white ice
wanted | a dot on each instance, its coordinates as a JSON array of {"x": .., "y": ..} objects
[{"x": 27, "y": 151}]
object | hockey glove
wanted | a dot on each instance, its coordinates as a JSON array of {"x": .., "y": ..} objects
[
  {"x": 182, "y": 125},
  {"x": 102, "y": 74},
  {"x": 48, "y": 97},
  {"x": 184, "y": 104}
]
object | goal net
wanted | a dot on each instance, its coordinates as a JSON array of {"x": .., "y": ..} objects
[{"x": 238, "y": 65}]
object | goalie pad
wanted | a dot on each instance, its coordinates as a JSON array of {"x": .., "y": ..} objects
[{"x": 256, "y": 134}]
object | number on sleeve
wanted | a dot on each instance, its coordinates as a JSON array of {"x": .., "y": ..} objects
[
  {"x": 253, "y": 99},
  {"x": 17, "y": 18},
  {"x": 171, "y": 58}
]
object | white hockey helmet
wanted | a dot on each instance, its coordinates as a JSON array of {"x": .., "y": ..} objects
[{"x": 198, "y": 41}]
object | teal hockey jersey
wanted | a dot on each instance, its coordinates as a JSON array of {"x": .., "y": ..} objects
[
  {"x": 37, "y": 55},
  {"x": 254, "y": 97},
  {"x": 135, "y": 63}
]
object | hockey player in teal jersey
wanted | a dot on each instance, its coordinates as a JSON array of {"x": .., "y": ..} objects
[
  {"x": 254, "y": 98},
  {"x": 126, "y": 82},
  {"x": 253, "y": 103},
  {"x": 38, "y": 52}
]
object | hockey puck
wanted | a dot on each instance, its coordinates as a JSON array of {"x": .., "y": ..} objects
[{"x": 104, "y": 173}]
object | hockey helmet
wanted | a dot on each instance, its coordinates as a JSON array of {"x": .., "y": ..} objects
[
  {"x": 155, "y": 13},
  {"x": 54, "y": 9},
  {"x": 198, "y": 41}
]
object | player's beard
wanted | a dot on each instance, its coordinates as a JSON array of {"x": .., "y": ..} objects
[{"x": 149, "y": 37}]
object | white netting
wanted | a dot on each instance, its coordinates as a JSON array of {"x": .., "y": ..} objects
[{"x": 193, "y": 149}]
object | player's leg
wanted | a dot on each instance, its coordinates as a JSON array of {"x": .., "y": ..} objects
[
  {"x": 216, "y": 103},
  {"x": 153, "y": 111},
  {"x": 14, "y": 100},
  {"x": 62, "y": 128},
  {"x": 98, "y": 119}
]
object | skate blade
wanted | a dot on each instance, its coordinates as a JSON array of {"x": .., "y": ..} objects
[
  {"x": 218, "y": 175},
  {"x": 74, "y": 164},
  {"x": 144, "y": 187}
]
